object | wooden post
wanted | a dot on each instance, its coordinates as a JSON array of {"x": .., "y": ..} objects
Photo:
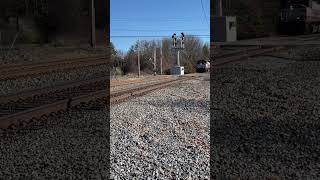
[
  {"x": 161, "y": 60},
  {"x": 217, "y": 4},
  {"x": 93, "y": 24},
  {"x": 27, "y": 7},
  {"x": 154, "y": 60},
  {"x": 178, "y": 58},
  {"x": 138, "y": 63}
]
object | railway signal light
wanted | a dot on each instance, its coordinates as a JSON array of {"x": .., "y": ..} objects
[
  {"x": 175, "y": 41},
  {"x": 174, "y": 37},
  {"x": 182, "y": 40}
]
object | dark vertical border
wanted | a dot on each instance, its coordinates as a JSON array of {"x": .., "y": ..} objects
[
  {"x": 212, "y": 121},
  {"x": 107, "y": 30}
]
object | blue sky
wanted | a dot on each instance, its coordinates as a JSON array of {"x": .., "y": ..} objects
[{"x": 157, "y": 18}]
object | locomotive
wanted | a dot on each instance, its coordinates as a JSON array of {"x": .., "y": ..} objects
[
  {"x": 203, "y": 66},
  {"x": 300, "y": 16}
]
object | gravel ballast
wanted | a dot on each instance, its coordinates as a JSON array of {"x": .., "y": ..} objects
[
  {"x": 72, "y": 146},
  {"x": 24, "y": 53},
  {"x": 52, "y": 79},
  {"x": 265, "y": 115},
  {"x": 163, "y": 135}
]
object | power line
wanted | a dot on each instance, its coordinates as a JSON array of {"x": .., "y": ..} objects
[
  {"x": 162, "y": 21},
  {"x": 144, "y": 30},
  {"x": 128, "y": 36},
  {"x": 204, "y": 13},
  {"x": 157, "y": 19}
]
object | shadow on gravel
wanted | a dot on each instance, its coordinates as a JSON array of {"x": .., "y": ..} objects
[
  {"x": 181, "y": 103},
  {"x": 265, "y": 147},
  {"x": 266, "y": 123}
]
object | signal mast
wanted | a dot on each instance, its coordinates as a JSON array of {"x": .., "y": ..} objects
[{"x": 178, "y": 70}]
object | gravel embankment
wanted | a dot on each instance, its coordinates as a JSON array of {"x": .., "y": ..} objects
[
  {"x": 301, "y": 53},
  {"x": 73, "y": 146},
  {"x": 52, "y": 79},
  {"x": 36, "y": 53},
  {"x": 266, "y": 112},
  {"x": 163, "y": 135},
  {"x": 33, "y": 53}
]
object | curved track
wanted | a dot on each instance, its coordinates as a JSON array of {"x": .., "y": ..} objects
[
  {"x": 23, "y": 108},
  {"x": 26, "y": 107},
  {"x": 14, "y": 71},
  {"x": 238, "y": 56}
]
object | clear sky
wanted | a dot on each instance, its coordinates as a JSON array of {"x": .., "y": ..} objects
[{"x": 152, "y": 19}]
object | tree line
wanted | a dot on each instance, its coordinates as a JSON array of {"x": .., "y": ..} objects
[{"x": 126, "y": 63}]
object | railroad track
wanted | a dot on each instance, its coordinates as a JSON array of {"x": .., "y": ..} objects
[
  {"x": 14, "y": 71},
  {"x": 24, "y": 108},
  {"x": 256, "y": 50},
  {"x": 245, "y": 54},
  {"x": 220, "y": 53},
  {"x": 116, "y": 83},
  {"x": 293, "y": 41}
]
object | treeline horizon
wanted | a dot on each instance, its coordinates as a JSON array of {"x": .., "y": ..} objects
[{"x": 127, "y": 62}]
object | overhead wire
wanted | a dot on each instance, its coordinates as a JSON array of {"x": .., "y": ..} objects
[
  {"x": 204, "y": 13},
  {"x": 183, "y": 21},
  {"x": 163, "y": 36},
  {"x": 161, "y": 30},
  {"x": 156, "y": 19},
  {"x": 149, "y": 29}
]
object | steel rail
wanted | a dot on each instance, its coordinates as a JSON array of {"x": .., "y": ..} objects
[
  {"x": 244, "y": 55},
  {"x": 77, "y": 100},
  {"x": 14, "y": 71},
  {"x": 24, "y": 116}
]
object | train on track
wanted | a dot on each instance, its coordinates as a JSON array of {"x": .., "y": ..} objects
[
  {"x": 300, "y": 16},
  {"x": 203, "y": 66}
]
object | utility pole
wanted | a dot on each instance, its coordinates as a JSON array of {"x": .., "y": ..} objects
[
  {"x": 178, "y": 70},
  {"x": 161, "y": 60},
  {"x": 178, "y": 58},
  {"x": 139, "y": 63},
  {"x": 155, "y": 60},
  {"x": 93, "y": 24},
  {"x": 217, "y": 7},
  {"x": 27, "y": 7}
]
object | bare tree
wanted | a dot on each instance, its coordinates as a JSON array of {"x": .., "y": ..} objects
[
  {"x": 206, "y": 51},
  {"x": 193, "y": 52}
]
